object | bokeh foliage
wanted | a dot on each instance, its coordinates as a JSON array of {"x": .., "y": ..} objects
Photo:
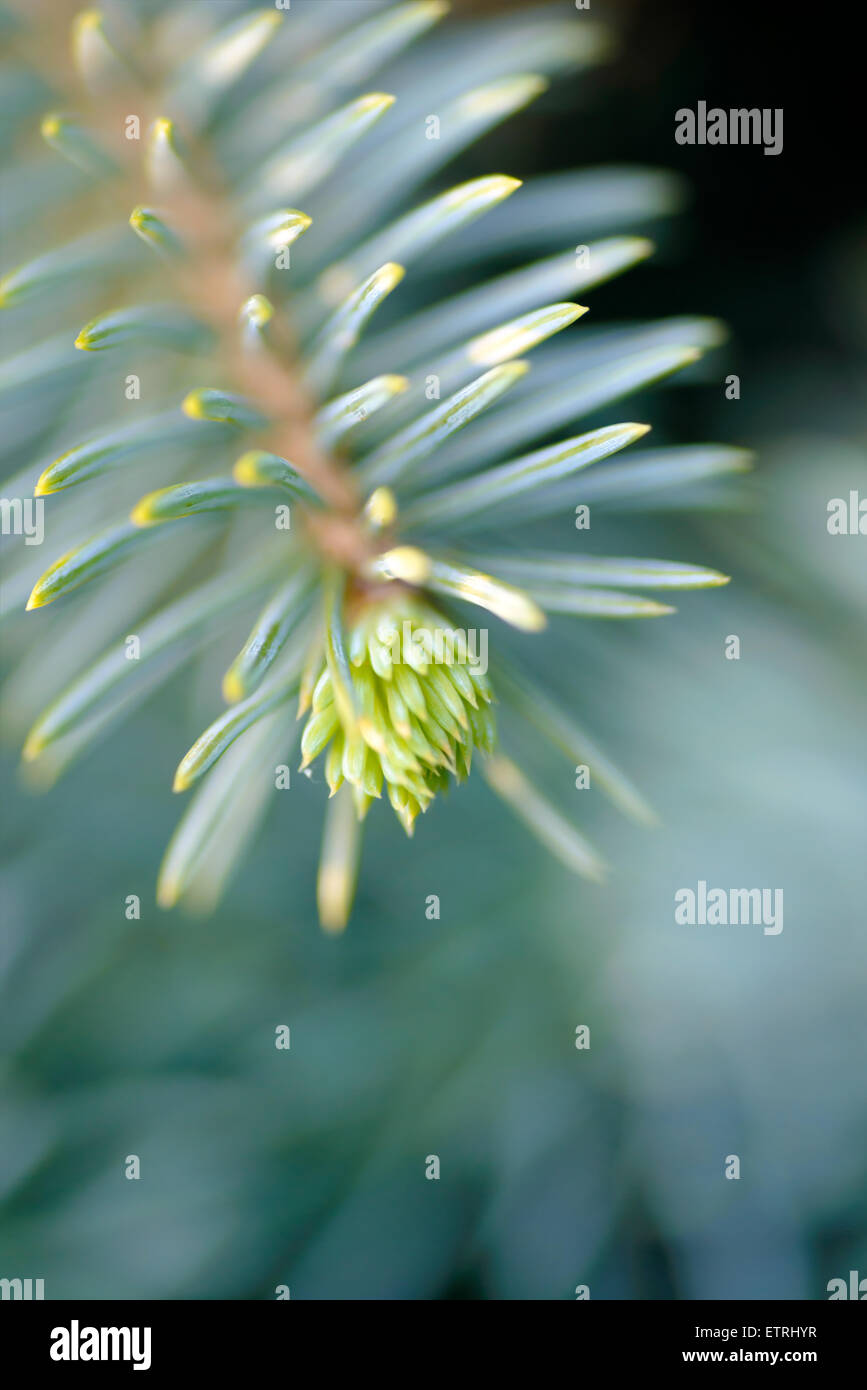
[{"x": 455, "y": 1037}]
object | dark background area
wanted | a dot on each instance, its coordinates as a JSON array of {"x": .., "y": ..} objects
[{"x": 761, "y": 229}]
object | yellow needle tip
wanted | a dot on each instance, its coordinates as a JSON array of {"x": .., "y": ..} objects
[{"x": 233, "y": 689}]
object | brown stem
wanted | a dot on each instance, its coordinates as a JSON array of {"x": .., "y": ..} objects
[{"x": 214, "y": 286}]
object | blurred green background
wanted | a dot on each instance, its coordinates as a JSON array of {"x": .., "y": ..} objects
[{"x": 456, "y": 1037}]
